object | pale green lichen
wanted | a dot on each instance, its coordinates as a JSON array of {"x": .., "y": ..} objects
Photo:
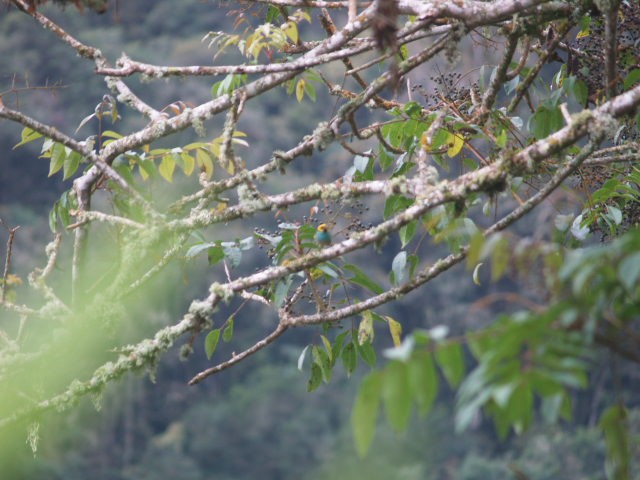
[
  {"x": 200, "y": 308},
  {"x": 198, "y": 126},
  {"x": 602, "y": 125},
  {"x": 322, "y": 136},
  {"x": 222, "y": 291},
  {"x": 250, "y": 199}
]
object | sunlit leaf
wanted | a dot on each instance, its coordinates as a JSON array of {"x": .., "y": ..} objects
[
  {"x": 27, "y": 135},
  {"x": 395, "y": 329},
  {"x": 167, "y": 166},
  {"x": 456, "y": 142}
]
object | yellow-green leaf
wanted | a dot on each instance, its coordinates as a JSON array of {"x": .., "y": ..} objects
[
  {"x": 188, "y": 163},
  {"x": 456, "y": 142},
  {"x": 28, "y": 135},
  {"x": 395, "y": 329},
  {"x": 583, "y": 33},
  {"x": 291, "y": 30},
  {"x": 327, "y": 346},
  {"x": 204, "y": 161},
  {"x": 111, "y": 134},
  {"x": 365, "y": 330},
  {"x": 300, "y": 89},
  {"x": 167, "y": 166}
]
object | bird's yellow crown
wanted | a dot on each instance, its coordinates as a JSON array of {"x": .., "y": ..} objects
[{"x": 323, "y": 227}]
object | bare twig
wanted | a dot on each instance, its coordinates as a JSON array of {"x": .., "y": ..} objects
[
  {"x": 280, "y": 329},
  {"x": 7, "y": 262}
]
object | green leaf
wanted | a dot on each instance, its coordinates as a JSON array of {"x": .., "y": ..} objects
[
  {"x": 321, "y": 358},
  {"x": 407, "y": 232},
  {"x": 384, "y": 158},
  {"x": 395, "y": 204},
  {"x": 215, "y": 254},
  {"x": 630, "y": 80},
  {"x": 520, "y": 408},
  {"x": 327, "y": 347},
  {"x": 336, "y": 349},
  {"x": 315, "y": 378},
  {"x": 364, "y": 415},
  {"x": 282, "y": 288},
  {"x": 613, "y": 423},
  {"x": 58, "y": 156},
  {"x": 227, "y": 334},
  {"x": 545, "y": 121},
  {"x": 396, "y": 395},
  {"x": 349, "y": 358},
  {"x": 362, "y": 279},
  {"x": 423, "y": 380},
  {"x": 71, "y": 163},
  {"x": 451, "y": 361},
  {"x": 211, "y": 342},
  {"x": 310, "y": 90},
  {"x": 629, "y": 270},
  {"x": 27, "y": 135},
  {"x": 368, "y": 354},
  {"x": 580, "y": 92}
]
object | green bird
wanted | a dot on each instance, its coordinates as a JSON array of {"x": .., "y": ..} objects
[{"x": 323, "y": 237}]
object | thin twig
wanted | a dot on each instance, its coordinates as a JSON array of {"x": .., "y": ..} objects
[
  {"x": 280, "y": 329},
  {"x": 7, "y": 262}
]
